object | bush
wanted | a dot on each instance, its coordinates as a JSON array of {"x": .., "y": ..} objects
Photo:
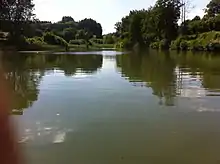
[
  {"x": 196, "y": 45},
  {"x": 175, "y": 45},
  {"x": 155, "y": 45},
  {"x": 52, "y": 39},
  {"x": 164, "y": 44},
  {"x": 184, "y": 45},
  {"x": 119, "y": 45},
  {"x": 97, "y": 41},
  {"x": 36, "y": 40},
  {"x": 125, "y": 43},
  {"x": 77, "y": 42},
  {"x": 213, "y": 45},
  {"x": 109, "y": 39},
  {"x": 189, "y": 37}
]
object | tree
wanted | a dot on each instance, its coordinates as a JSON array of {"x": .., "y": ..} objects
[
  {"x": 118, "y": 27},
  {"x": 91, "y": 26},
  {"x": 213, "y": 8},
  {"x": 67, "y": 19},
  {"x": 14, "y": 16},
  {"x": 167, "y": 16},
  {"x": 136, "y": 26},
  {"x": 149, "y": 32},
  {"x": 157, "y": 23},
  {"x": 84, "y": 35},
  {"x": 69, "y": 34},
  {"x": 13, "y": 10}
]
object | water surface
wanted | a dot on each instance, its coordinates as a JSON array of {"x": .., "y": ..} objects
[{"x": 109, "y": 107}]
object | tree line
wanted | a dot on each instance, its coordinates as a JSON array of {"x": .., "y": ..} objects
[
  {"x": 155, "y": 27},
  {"x": 158, "y": 27},
  {"x": 17, "y": 18}
]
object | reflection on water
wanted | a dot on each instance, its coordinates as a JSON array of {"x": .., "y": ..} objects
[
  {"x": 98, "y": 107},
  {"x": 151, "y": 70},
  {"x": 168, "y": 74},
  {"x": 171, "y": 75},
  {"x": 25, "y": 71}
]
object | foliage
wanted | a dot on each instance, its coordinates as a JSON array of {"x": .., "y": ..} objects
[
  {"x": 15, "y": 15},
  {"x": 96, "y": 41},
  {"x": 156, "y": 27},
  {"x": 91, "y": 26},
  {"x": 184, "y": 45},
  {"x": 213, "y": 8},
  {"x": 213, "y": 45},
  {"x": 16, "y": 10},
  {"x": 77, "y": 42},
  {"x": 53, "y": 39},
  {"x": 109, "y": 39},
  {"x": 36, "y": 40},
  {"x": 67, "y": 19},
  {"x": 155, "y": 45},
  {"x": 69, "y": 34},
  {"x": 175, "y": 45},
  {"x": 206, "y": 41},
  {"x": 156, "y": 23}
]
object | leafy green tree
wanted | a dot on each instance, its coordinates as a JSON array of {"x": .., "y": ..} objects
[
  {"x": 84, "y": 35},
  {"x": 69, "y": 34},
  {"x": 67, "y": 19},
  {"x": 16, "y": 10},
  {"x": 213, "y": 8},
  {"x": 15, "y": 14},
  {"x": 167, "y": 16},
  {"x": 157, "y": 23},
  {"x": 135, "y": 26},
  {"x": 53, "y": 39},
  {"x": 91, "y": 26},
  {"x": 149, "y": 32}
]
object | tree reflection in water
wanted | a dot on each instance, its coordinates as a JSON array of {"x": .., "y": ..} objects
[
  {"x": 172, "y": 74},
  {"x": 24, "y": 72}
]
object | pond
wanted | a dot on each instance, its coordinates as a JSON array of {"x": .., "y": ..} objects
[{"x": 112, "y": 107}]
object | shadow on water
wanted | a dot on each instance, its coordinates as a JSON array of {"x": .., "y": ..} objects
[
  {"x": 23, "y": 73},
  {"x": 173, "y": 74}
]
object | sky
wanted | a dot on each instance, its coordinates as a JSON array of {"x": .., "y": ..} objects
[{"x": 106, "y": 12}]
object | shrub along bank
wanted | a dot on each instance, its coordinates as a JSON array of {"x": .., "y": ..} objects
[{"x": 208, "y": 41}]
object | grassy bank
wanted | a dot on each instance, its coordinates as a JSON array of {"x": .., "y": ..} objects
[
  {"x": 209, "y": 41},
  {"x": 93, "y": 46},
  {"x": 71, "y": 47},
  {"x": 51, "y": 42}
]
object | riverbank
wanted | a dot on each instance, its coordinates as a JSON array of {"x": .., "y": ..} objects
[
  {"x": 208, "y": 41},
  {"x": 49, "y": 47}
]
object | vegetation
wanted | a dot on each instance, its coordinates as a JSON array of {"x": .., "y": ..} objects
[
  {"x": 157, "y": 27},
  {"x": 158, "y": 70},
  {"x": 27, "y": 32}
]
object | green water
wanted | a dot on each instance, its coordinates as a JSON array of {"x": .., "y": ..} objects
[{"x": 111, "y": 108}]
